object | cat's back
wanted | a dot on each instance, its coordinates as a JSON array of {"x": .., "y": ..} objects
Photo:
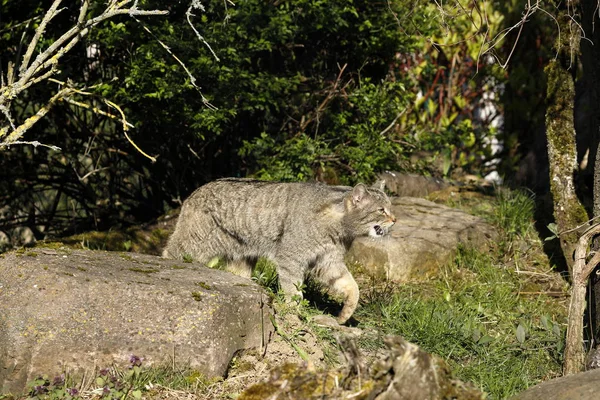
[
  {"x": 252, "y": 208},
  {"x": 265, "y": 196}
]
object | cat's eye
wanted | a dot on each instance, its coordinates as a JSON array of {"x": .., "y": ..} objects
[{"x": 381, "y": 210}]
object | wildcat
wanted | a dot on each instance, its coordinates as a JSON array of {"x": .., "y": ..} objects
[{"x": 304, "y": 228}]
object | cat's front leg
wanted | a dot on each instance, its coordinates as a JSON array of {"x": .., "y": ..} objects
[{"x": 334, "y": 274}]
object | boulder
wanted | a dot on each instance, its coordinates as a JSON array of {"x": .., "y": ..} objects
[
  {"x": 4, "y": 242},
  {"x": 74, "y": 311},
  {"x": 425, "y": 236},
  {"x": 582, "y": 386},
  {"x": 411, "y": 185},
  {"x": 409, "y": 373},
  {"x": 404, "y": 372}
]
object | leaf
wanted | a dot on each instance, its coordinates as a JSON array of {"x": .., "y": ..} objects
[
  {"x": 521, "y": 334},
  {"x": 556, "y": 330},
  {"x": 460, "y": 102},
  {"x": 545, "y": 322},
  {"x": 476, "y": 335},
  {"x": 447, "y": 296},
  {"x": 485, "y": 339},
  {"x": 552, "y": 227},
  {"x": 137, "y": 394}
]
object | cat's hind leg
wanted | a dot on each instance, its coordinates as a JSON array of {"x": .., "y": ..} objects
[
  {"x": 241, "y": 267},
  {"x": 291, "y": 276}
]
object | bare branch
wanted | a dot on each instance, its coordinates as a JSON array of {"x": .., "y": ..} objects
[
  {"x": 574, "y": 352},
  {"x": 29, "y": 122},
  {"x": 55, "y": 51},
  {"x": 95, "y": 110},
  {"x": 33, "y": 143},
  {"x": 46, "y": 64},
  {"x": 51, "y": 13},
  {"x": 188, "y": 14}
]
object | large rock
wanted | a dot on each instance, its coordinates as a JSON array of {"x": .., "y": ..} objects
[
  {"x": 403, "y": 372},
  {"x": 411, "y": 185},
  {"x": 425, "y": 236},
  {"x": 79, "y": 310},
  {"x": 583, "y": 386},
  {"x": 409, "y": 373}
]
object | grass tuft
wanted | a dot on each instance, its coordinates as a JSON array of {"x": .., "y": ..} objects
[{"x": 514, "y": 212}]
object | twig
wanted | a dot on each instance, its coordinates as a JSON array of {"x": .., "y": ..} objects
[
  {"x": 586, "y": 223},
  {"x": 188, "y": 14},
  {"x": 93, "y": 109},
  {"x": 26, "y": 22},
  {"x": 34, "y": 143},
  {"x": 29, "y": 122},
  {"x": 82, "y": 178},
  {"x": 51, "y": 13},
  {"x": 126, "y": 128},
  {"x": 391, "y": 125},
  {"x": 328, "y": 98},
  {"x": 552, "y": 294}
]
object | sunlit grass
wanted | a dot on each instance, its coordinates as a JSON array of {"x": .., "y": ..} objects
[{"x": 474, "y": 316}]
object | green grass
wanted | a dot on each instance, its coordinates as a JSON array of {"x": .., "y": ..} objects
[
  {"x": 470, "y": 316},
  {"x": 265, "y": 274},
  {"x": 135, "y": 382},
  {"x": 513, "y": 212}
]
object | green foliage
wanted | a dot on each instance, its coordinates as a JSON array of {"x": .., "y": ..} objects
[
  {"x": 475, "y": 318},
  {"x": 187, "y": 258},
  {"x": 58, "y": 388},
  {"x": 457, "y": 84},
  {"x": 351, "y": 143},
  {"x": 328, "y": 90}
]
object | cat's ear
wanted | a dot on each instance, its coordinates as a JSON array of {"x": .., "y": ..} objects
[
  {"x": 379, "y": 184},
  {"x": 358, "y": 193}
]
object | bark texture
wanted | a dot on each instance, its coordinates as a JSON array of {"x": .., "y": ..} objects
[
  {"x": 569, "y": 213},
  {"x": 589, "y": 136},
  {"x": 562, "y": 154}
]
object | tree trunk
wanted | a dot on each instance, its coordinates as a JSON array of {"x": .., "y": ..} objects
[
  {"x": 560, "y": 130},
  {"x": 590, "y": 53},
  {"x": 569, "y": 214}
]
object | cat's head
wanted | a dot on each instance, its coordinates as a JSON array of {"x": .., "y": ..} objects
[{"x": 368, "y": 211}]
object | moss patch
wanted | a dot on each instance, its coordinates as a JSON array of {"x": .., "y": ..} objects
[
  {"x": 144, "y": 270},
  {"x": 204, "y": 285},
  {"x": 197, "y": 296}
]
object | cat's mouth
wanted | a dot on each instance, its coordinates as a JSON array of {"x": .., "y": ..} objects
[{"x": 379, "y": 231}]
